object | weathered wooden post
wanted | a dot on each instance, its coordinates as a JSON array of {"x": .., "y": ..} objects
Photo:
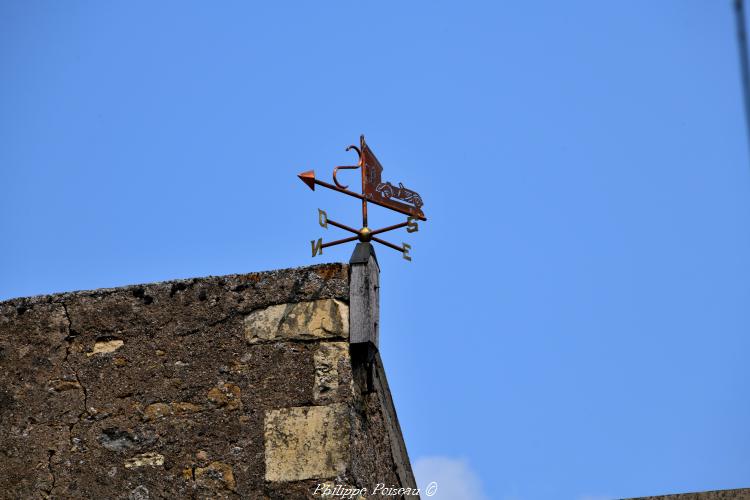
[
  {"x": 364, "y": 308},
  {"x": 364, "y": 334}
]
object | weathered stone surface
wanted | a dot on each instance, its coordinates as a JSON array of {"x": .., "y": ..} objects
[
  {"x": 60, "y": 385},
  {"x": 332, "y": 372},
  {"x": 226, "y": 396},
  {"x": 105, "y": 346},
  {"x": 216, "y": 475},
  {"x": 71, "y": 420},
  {"x": 156, "y": 410},
  {"x": 154, "y": 391},
  {"x": 151, "y": 459},
  {"x": 371, "y": 446},
  {"x": 160, "y": 410},
  {"x": 313, "y": 320},
  {"x": 306, "y": 442}
]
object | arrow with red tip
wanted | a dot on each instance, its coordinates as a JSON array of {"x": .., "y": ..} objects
[{"x": 309, "y": 179}]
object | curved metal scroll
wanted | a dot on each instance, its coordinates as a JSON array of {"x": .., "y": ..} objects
[{"x": 347, "y": 167}]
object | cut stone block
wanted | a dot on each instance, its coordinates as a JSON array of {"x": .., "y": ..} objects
[
  {"x": 317, "y": 319},
  {"x": 306, "y": 442},
  {"x": 327, "y": 377}
]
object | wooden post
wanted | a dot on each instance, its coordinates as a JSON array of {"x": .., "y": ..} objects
[
  {"x": 364, "y": 332},
  {"x": 364, "y": 308},
  {"x": 364, "y": 296}
]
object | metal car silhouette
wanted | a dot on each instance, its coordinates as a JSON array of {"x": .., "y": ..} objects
[{"x": 388, "y": 191}]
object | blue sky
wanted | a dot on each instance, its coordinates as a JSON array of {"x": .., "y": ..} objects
[{"x": 574, "y": 324}]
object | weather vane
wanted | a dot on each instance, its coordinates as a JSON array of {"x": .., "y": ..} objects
[{"x": 374, "y": 190}]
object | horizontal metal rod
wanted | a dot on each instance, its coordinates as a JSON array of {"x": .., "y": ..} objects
[
  {"x": 383, "y": 242},
  {"x": 338, "y": 242},
  {"x": 390, "y": 228},
  {"x": 342, "y": 226},
  {"x": 361, "y": 197}
]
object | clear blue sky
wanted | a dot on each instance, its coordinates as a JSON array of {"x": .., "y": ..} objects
[{"x": 575, "y": 321}]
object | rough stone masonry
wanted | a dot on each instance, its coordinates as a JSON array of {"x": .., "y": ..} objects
[{"x": 239, "y": 386}]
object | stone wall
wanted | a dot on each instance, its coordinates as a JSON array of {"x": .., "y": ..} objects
[{"x": 238, "y": 386}]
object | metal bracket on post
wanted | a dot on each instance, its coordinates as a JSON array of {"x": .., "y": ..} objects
[{"x": 364, "y": 308}]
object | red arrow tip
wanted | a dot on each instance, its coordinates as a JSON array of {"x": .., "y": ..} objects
[{"x": 308, "y": 178}]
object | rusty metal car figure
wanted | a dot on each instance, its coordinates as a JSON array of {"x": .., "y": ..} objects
[{"x": 387, "y": 190}]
